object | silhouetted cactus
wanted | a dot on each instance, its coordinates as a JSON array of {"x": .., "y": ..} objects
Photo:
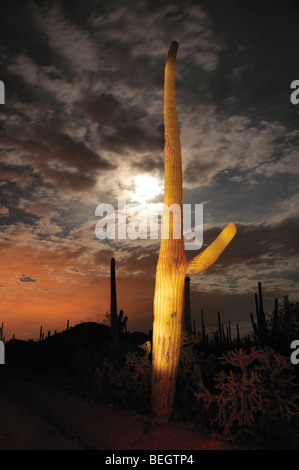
[
  {"x": 238, "y": 335},
  {"x": 275, "y": 321},
  {"x": 278, "y": 331},
  {"x": 113, "y": 303},
  {"x": 118, "y": 322},
  {"x": 288, "y": 320},
  {"x": 255, "y": 328},
  {"x": 122, "y": 322},
  {"x": 261, "y": 328},
  {"x": 220, "y": 329},
  {"x": 262, "y": 318},
  {"x": 203, "y": 328}
]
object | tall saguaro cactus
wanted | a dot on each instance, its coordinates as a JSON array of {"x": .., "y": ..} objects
[{"x": 172, "y": 265}]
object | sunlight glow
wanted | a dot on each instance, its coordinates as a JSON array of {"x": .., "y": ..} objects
[{"x": 147, "y": 188}]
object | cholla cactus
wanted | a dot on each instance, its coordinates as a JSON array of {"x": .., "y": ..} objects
[
  {"x": 259, "y": 384},
  {"x": 135, "y": 375},
  {"x": 186, "y": 351}
]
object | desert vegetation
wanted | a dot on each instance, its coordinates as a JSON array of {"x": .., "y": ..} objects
[{"x": 233, "y": 387}]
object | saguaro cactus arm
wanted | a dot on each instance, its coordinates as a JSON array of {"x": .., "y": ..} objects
[{"x": 207, "y": 257}]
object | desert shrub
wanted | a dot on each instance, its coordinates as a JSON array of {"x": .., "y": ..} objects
[
  {"x": 252, "y": 385},
  {"x": 186, "y": 351},
  {"x": 135, "y": 375},
  {"x": 134, "y": 378}
]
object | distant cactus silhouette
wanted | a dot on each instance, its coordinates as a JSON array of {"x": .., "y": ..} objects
[
  {"x": 118, "y": 322},
  {"x": 113, "y": 303},
  {"x": 203, "y": 328},
  {"x": 260, "y": 328},
  {"x": 220, "y": 329},
  {"x": 288, "y": 320},
  {"x": 122, "y": 322}
]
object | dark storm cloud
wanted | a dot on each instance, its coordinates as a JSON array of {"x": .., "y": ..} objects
[
  {"x": 66, "y": 180},
  {"x": 257, "y": 65},
  {"x": 249, "y": 152},
  {"x": 19, "y": 32},
  {"x": 118, "y": 124},
  {"x": 24, "y": 278},
  {"x": 17, "y": 89},
  {"x": 50, "y": 142},
  {"x": 136, "y": 259},
  {"x": 13, "y": 215},
  {"x": 16, "y": 174},
  {"x": 17, "y": 182},
  {"x": 56, "y": 155},
  {"x": 21, "y": 36},
  {"x": 150, "y": 164},
  {"x": 104, "y": 39},
  {"x": 235, "y": 196}
]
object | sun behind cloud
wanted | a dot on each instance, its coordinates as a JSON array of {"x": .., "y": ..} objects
[{"x": 147, "y": 188}]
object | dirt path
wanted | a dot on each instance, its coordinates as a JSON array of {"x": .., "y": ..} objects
[
  {"x": 36, "y": 417},
  {"x": 22, "y": 429}
]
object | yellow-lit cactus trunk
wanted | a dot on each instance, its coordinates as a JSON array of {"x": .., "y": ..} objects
[
  {"x": 168, "y": 305},
  {"x": 172, "y": 266}
]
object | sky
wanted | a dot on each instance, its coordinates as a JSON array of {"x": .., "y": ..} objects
[{"x": 82, "y": 125}]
